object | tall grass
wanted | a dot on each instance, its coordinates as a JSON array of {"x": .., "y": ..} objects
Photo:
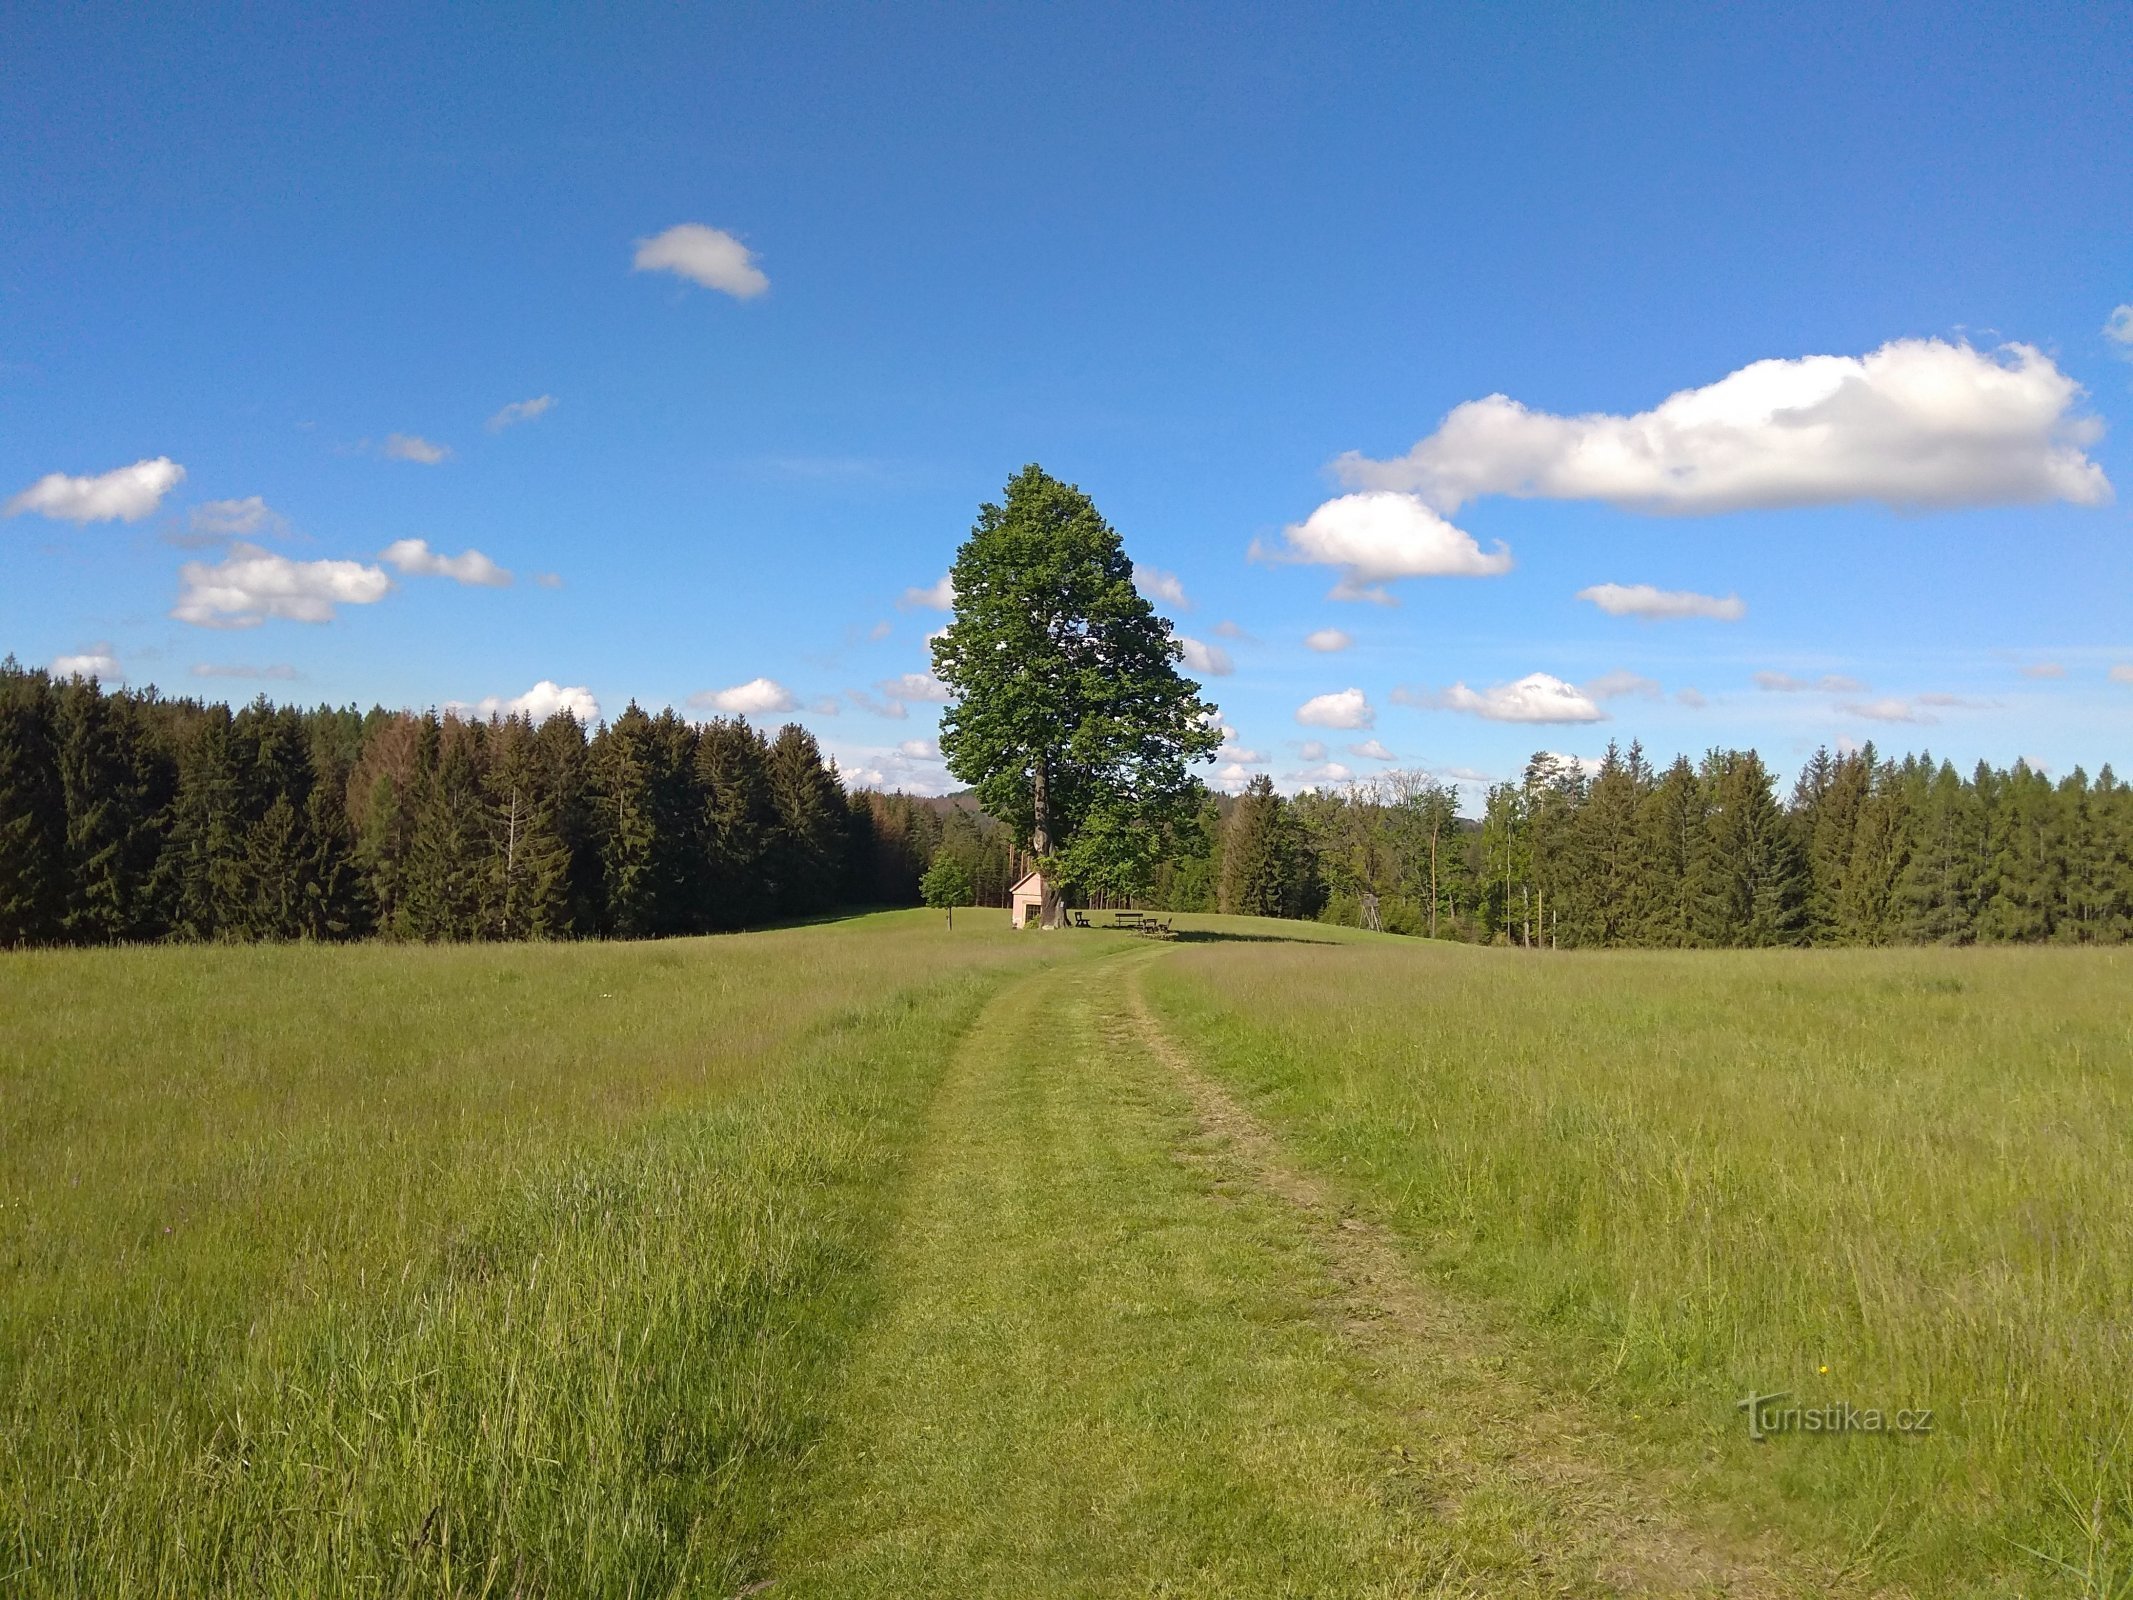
[
  {"x": 1895, "y": 1179},
  {"x": 480, "y": 1270}
]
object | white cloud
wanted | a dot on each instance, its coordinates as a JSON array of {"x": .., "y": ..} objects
[
  {"x": 1372, "y": 750},
  {"x": 1311, "y": 750},
  {"x": 278, "y": 672},
  {"x": 1618, "y": 684},
  {"x": 1537, "y": 697},
  {"x": 920, "y": 749},
  {"x": 1211, "y": 659},
  {"x": 757, "y": 697},
  {"x": 249, "y": 585},
  {"x": 541, "y": 702},
  {"x": 521, "y": 411},
  {"x": 709, "y": 256},
  {"x": 1230, "y": 630},
  {"x": 1377, "y": 537},
  {"x": 1344, "y": 708},
  {"x": 415, "y": 558},
  {"x": 2123, "y": 672},
  {"x": 413, "y": 447},
  {"x": 938, "y": 596},
  {"x": 549, "y": 580},
  {"x": 97, "y": 661},
  {"x": 1328, "y": 640},
  {"x": 125, "y": 494},
  {"x": 921, "y": 686},
  {"x": 1691, "y": 697},
  {"x": 1330, "y": 772},
  {"x": 881, "y": 630},
  {"x": 2044, "y": 669},
  {"x": 1233, "y": 777},
  {"x": 236, "y": 519},
  {"x": 1157, "y": 584},
  {"x": 1828, "y": 683},
  {"x": 1655, "y": 605},
  {"x": 1887, "y": 709},
  {"x": 1919, "y": 422},
  {"x": 826, "y": 705},
  {"x": 2118, "y": 328}
]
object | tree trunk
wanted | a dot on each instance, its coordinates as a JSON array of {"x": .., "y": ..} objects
[{"x": 1040, "y": 842}]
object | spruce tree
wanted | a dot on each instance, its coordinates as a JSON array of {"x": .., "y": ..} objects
[
  {"x": 33, "y": 811},
  {"x": 807, "y": 844},
  {"x": 732, "y": 772}
]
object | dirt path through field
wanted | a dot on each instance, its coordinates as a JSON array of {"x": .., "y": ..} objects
[{"x": 1130, "y": 1349}]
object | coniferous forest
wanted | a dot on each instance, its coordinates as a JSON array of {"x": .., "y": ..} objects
[
  {"x": 125, "y": 816},
  {"x": 128, "y": 817},
  {"x": 1863, "y": 850}
]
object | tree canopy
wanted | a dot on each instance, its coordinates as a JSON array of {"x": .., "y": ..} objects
[{"x": 1070, "y": 719}]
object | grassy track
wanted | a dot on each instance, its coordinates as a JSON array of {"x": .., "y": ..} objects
[
  {"x": 441, "y": 1271},
  {"x": 870, "y": 1259},
  {"x": 1119, "y": 1359},
  {"x": 1890, "y": 1178}
]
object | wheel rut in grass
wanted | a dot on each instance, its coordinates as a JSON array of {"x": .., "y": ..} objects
[
  {"x": 1125, "y": 1349},
  {"x": 1488, "y": 1432}
]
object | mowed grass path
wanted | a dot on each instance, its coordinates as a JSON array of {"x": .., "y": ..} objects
[
  {"x": 872, "y": 1259},
  {"x": 1120, "y": 1355}
]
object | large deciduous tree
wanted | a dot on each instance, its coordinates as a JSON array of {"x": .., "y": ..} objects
[{"x": 1070, "y": 718}]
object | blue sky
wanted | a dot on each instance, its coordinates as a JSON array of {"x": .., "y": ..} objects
[{"x": 1188, "y": 259}]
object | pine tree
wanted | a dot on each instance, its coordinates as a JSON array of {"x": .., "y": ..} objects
[
  {"x": 208, "y": 832},
  {"x": 1937, "y": 892},
  {"x": 1607, "y": 851},
  {"x": 2023, "y": 846},
  {"x": 1258, "y": 855},
  {"x": 624, "y": 765},
  {"x": 1673, "y": 819},
  {"x": 807, "y": 845},
  {"x": 732, "y": 770},
  {"x": 1753, "y": 886},
  {"x": 33, "y": 811},
  {"x": 450, "y": 877}
]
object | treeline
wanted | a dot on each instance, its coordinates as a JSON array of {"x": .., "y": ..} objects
[
  {"x": 125, "y": 816},
  {"x": 1863, "y": 851}
]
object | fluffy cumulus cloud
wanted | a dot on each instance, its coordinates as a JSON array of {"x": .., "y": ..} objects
[
  {"x": 1662, "y": 605},
  {"x": 98, "y": 661},
  {"x": 709, "y": 256},
  {"x": 1619, "y": 685},
  {"x": 1537, "y": 697},
  {"x": 1209, "y": 659},
  {"x": 1327, "y": 772},
  {"x": 1828, "y": 683},
  {"x": 1328, "y": 640},
  {"x": 1377, "y": 537},
  {"x": 1371, "y": 750},
  {"x": 415, "y": 558},
  {"x": 237, "y": 519},
  {"x": 413, "y": 447},
  {"x": 1232, "y": 630},
  {"x": 1312, "y": 750},
  {"x": 1919, "y": 422},
  {"x": 1344, "y": 708},
  {"x": 124, "y": 494},
  {"x": 1886, "y": 709},
  {"x": 1231, "y": 750},
  {"x": 521, "y": 411},
  {"x": 541, "y": 702},
  {"x": 1157, "y": 584},
  {"x": 249, "y": 585},
  {"x": 920, "y": 686},
  {"x": 757, "y": 697},
  {"x": 936, "y": 596}
]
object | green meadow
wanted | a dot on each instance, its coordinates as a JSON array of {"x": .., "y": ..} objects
[{"x": 874, "y": 1258}]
